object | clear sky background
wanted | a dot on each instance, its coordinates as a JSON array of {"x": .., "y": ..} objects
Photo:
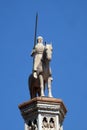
[{"x": 62, "y": 22}]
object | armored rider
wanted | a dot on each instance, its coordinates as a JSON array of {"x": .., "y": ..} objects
[{"x": 37, "y": 54}]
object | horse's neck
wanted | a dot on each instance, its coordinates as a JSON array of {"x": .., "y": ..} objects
[{"x": 46, "y": 64}]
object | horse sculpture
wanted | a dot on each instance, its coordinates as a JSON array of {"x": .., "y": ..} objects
[{"x": 37, "y": 85}]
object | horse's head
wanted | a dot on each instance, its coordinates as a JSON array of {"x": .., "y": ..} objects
[{"x": 48, "y": 51}]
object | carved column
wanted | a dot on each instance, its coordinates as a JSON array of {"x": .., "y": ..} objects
[{"x": 43, "y": 113}]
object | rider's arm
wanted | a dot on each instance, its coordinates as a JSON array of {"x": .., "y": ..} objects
[{"x": 33, "y": 52}]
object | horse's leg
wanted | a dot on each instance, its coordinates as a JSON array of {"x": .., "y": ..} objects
[
  {"x": 41, "y": 85},
  {"x": 49, "y": 87}
]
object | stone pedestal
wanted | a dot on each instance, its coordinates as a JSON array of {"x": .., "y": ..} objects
[{"x": 43, "y": 113}]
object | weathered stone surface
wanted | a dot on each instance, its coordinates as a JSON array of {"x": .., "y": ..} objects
[{"x": 43, "y": 112}]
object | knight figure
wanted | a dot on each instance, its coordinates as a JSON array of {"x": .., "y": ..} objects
[
  {"x": 41, "y": 75},
  {"x": 37, "y": 53}
]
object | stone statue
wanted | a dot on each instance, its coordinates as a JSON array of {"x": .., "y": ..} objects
[
  {"x": 42, "y": 55},
  {"x": 37, "y": 53}
]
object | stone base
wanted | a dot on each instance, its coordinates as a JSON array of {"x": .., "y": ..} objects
[{"x": 43, "y": 113}]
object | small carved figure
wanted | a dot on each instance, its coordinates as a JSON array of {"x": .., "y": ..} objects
[
  {"x": 41, "y": 69},
  {"x": 51, "y": 123},
  {"x": 45, "y": 123}
]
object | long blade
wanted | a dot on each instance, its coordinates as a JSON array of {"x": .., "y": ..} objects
[{"x": 35, "y": 35}]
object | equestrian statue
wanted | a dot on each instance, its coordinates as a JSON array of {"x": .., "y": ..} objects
[{"x": 41, "y": 73}]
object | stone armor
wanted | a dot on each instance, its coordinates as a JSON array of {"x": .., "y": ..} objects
[{"x": 37, "y": 53}]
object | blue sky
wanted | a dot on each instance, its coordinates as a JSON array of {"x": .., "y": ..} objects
[{"x": 62, "y": 22}]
